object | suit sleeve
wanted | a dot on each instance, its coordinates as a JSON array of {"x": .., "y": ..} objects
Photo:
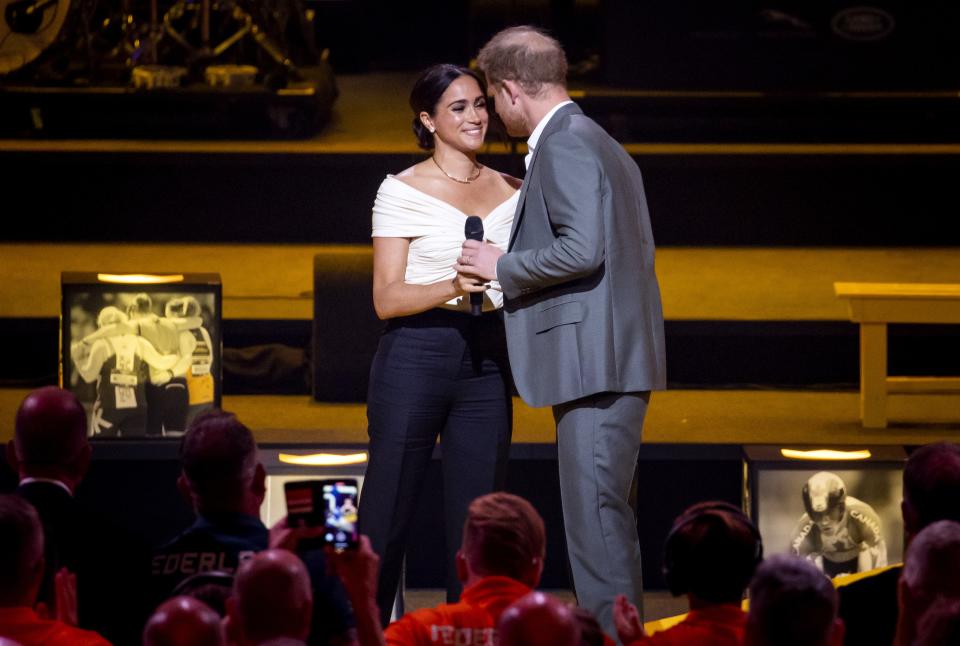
[{"x": 571, "y": 180}]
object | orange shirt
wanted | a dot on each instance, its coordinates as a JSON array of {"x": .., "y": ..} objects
[
  {"x": 719, "y": 625},
  {"x": 471, "y": 622},
  {"x": 23, "y": 625}
]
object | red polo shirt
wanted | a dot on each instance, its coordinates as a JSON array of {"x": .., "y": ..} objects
[
  {"x": 470, "y": 622},
  {"x": 23, "y": 625},
  {"x": 719, "y": 625}
]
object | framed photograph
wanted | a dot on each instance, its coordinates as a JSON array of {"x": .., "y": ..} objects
[
  {"x": 142, "y": 352},
  {"x": 842, "y": 515}
]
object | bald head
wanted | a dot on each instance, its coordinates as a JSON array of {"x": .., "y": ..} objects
[
  {"x": 271, "y": 599},
  {"x": 932, "y": 565},
  {"x": 50, "y": 431},
  {"x": 931, "y": 486},
  {"x": 183, "y": 621},
  {"x": 792, "y": 604},
  {"x": 538, "y": 619}
]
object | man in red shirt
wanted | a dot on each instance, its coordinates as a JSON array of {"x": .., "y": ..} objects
[
  {"x": 710, "y": 555},
  {"x": 21, "y": 573},
  {"x": 500, "y": 560}
]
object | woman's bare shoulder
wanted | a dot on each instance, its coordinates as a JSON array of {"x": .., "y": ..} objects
[{"x": 514, "y": 182}]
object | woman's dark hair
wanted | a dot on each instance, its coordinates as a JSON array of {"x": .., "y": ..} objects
[{"x": 428, "y": 89}]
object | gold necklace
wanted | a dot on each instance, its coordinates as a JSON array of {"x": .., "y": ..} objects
[{"x": 457, "y": 179}]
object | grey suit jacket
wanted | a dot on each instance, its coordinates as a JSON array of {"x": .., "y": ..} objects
[{"x": 581, "y": 300}]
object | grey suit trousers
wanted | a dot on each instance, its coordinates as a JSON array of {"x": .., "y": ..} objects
[{"x": 598, "y": 441}]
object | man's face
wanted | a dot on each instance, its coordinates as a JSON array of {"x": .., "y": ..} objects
[{"x": 510, "y": 113}]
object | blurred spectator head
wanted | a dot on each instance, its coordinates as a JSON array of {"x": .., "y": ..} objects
[
  {"x": 50, "y": 437},
  {"x": 221, "y": 473},
  {"x": 183, "y": 621},
  {"x": 931, "y": 487},
  {"x": 212, "y": 587},
  {"x": 711, "y": 553},
  {"x": 538, "y": 619},
  {"x": 503, "y": 535},
  {"x": 591, "y": 634},
  {"x": 940, "y": 624},
  {"x": 21, "y": 552},
  {"x": 272, "y": 599},
  {"x": 931, "y": 571},
  {"x": 792, "y": 604}
]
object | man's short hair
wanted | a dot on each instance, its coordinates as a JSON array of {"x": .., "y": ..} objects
[
  {"x": 711, "y": 552},
  {"x": 525, "y": 55},
  {"x": 931, "y": 483},
  {"x": 503, "y": 535},
  {"x": 792, "y": 603},
  {"x": 50, "y": 428},
  {"x": 218, "y": 455},
  {"x": 21, "y": 546}
]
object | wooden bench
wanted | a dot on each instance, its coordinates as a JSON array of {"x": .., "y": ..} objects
[{"x": 873, "y": 306}]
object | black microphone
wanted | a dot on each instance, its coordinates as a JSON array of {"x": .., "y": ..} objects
[{"x": 473, "y": 230}]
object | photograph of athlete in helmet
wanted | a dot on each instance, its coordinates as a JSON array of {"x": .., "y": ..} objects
[
  {"x": 150, "y": 360},
  {"x": 843, "y": 521}
]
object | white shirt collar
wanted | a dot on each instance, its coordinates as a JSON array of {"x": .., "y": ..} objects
[
  {"x": 59, "y": 483},
  {"x": 534, "y": 138}
]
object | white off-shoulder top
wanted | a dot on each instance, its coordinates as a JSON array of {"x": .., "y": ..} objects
[{"x": 435, "y": 230}]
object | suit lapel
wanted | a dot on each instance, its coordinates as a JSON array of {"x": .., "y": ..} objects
[{"x": 552, "y": 126}]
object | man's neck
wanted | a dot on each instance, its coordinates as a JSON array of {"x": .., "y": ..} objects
[
  {"x": 540, "y": 107},
  {"x": 60, "y": 481}
]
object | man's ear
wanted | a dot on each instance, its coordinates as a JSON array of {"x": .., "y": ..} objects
[
  {"x": 513, "y": 90},
  {"x": 463, "y": 573},
  {"x": 838, "y": 632},
  {"x": 183, "y": 486},
  {"x": 910, "y": 520},
  {"x": 82, "y": 463},
  {"x": 12, "y": 459},
  {"x": 259, "y": 483}
]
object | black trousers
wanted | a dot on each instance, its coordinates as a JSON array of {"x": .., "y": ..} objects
[{"x": 436, "y": 374}]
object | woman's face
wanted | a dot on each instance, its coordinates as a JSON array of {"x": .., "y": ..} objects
[{"x": 460, "y": 116}]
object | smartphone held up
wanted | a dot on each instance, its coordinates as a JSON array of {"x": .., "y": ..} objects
[{"x": 331, "y": 504}]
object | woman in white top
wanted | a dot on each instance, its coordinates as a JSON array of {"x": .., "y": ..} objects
[{"x": 438, "y": 371}]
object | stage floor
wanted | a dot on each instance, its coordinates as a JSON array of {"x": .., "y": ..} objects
[
  {"x": 775, "y": 417},
  {"x": 276, "y": 281}
]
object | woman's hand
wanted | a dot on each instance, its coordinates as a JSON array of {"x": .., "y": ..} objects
[{"x": 468, "y": 285}]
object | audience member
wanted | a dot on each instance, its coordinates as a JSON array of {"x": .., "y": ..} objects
[
  {"x": 51, "y": 456},
  {"x": 500, "y": 560},
  {"x": 183, "y": 621},
  {"x": 792, "y": 603},
  {"x": 591, "y": 634},
  {"x": 931, "y": 572},
  {"x": 272, "y": 600},
  {"x": 21, "y": 575},
  {"x": 931, "y": 492},
  {"x": 710, "y": 555},
  {"x": 226, "y": 484},
  {"x": 538, "y": 619},
  {"x": 940, "y": 624},
  {"x": 212, "y": 588}
]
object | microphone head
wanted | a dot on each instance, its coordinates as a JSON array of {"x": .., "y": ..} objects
[{"x": 473, "y": 228}]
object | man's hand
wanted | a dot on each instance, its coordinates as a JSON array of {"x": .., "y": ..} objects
[
  {"x": 478, "y": 259},
  {"x": 65, "y": 599},
  {"x": 626, "y": 619},
  {"x": 285, "y": 537},
  {"x": 358, "y": 569}
]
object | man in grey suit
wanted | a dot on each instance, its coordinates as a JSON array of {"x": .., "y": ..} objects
[{"x": 582, "y": 306}]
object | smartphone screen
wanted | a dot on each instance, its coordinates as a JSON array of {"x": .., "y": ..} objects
[{"x": 340, "y": 506}]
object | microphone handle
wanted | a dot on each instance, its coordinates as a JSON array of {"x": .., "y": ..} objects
[{"x": 476, "y": 303}]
